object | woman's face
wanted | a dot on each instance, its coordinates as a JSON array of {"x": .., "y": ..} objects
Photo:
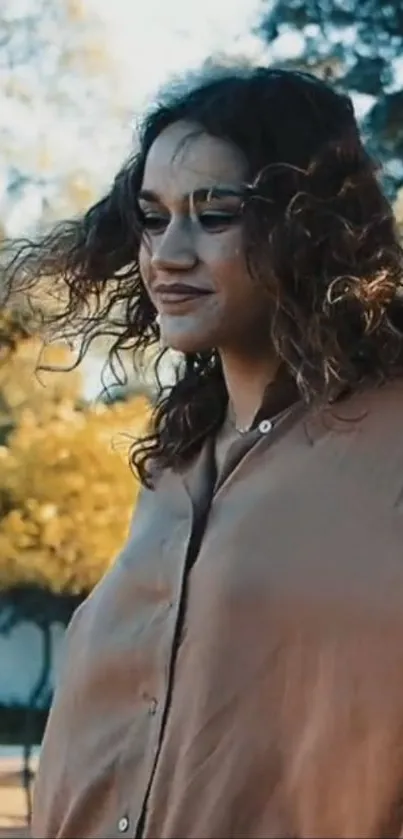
[{"x": 191, "y": 257}]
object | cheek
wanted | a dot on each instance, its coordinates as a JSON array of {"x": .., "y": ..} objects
[
  {"x": 224, "y": 257},
  {"x": 232, "y": 279},
  {"x": 245, "y": 304}
]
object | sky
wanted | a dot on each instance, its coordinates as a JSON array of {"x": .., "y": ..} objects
[
  {"x": 148, "y": 42},
  {"x": 155, "y": 38}
]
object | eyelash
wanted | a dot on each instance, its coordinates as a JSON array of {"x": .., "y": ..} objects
[{"x": 154, "y": 223}]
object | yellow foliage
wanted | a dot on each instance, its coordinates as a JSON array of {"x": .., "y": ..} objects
[
  {"x": 66, "y": 487},
  {"x": 70, "y": 492},
  {"x": 23, "y": 384}
]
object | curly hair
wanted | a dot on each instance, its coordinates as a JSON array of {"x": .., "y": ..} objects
[{"x": 318, "y": 232}]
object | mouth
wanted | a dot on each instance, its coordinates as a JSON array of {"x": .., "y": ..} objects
[{"x": 174, "y": 295}]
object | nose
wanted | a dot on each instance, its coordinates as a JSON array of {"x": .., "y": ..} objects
[{"x": 174, "y": 250}]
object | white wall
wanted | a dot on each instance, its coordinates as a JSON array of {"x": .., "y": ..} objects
[{"x": 21, "y": 661}]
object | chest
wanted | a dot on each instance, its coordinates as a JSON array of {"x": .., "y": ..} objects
[
  {"x": 298, "y": 530},
  {"x": 323, "y": 529}
]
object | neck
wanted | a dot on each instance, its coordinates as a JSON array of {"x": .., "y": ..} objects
[{"x": 246, "y": 381}]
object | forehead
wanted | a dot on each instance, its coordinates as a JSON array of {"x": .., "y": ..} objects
[{"x": 184, "y": 158}]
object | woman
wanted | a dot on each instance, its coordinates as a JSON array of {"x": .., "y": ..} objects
[{"x": 239, "y": 672}]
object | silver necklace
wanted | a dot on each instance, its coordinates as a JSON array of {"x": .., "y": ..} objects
[{"x": 232, "y": 421}]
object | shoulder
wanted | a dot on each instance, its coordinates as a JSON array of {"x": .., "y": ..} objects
[
  {"x": 381, "y": 403},
  {"x": 372, "y": 415}
]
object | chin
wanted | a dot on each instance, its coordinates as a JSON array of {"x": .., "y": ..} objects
[{"x": 187, "y": 343}]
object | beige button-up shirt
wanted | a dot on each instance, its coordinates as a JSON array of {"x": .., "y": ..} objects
[{"x": 239, "y": 671}]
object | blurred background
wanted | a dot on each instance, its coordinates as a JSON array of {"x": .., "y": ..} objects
[{"x": 75, "y": 76}]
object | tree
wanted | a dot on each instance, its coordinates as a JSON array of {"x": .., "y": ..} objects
[
  {"x": 57, "y": 81},
  {"x": 357, "y": 43},
  {"x": 22, "y": 384},
  {"x": 66, "y": 494},
  {"x": 66, "y": 488}
]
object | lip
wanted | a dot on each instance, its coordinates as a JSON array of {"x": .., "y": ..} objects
[
  {"x": 180, "y": 290},
  {"x": 177, "y": 298}
]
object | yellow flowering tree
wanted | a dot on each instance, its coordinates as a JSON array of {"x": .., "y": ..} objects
[
  {"x": 66, "y": 488},
  {"x": 22, "y": 383},
  {"x": 66, "y": 494}
]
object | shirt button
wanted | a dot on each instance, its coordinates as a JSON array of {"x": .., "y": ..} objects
[
  {"x": 265, "y": 426},
  {"x": 153, "y": 707},
  {"x": 123, "y": 824}
]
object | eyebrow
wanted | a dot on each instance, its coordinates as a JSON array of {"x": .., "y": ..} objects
[{"x": 201, "y": 195}]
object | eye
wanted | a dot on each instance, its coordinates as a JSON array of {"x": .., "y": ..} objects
[
  {"x": 218, "y": 219},
  {"x": 154, "y": 222}
]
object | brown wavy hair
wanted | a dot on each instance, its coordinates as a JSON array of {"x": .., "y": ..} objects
[{"x": 318, "y": 232}]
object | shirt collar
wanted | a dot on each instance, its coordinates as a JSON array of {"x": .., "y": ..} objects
[{"x": 279, "y": 395}]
